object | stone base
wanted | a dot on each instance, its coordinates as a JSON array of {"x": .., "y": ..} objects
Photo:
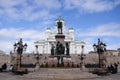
[
  {"x": 52, "y": 56},
  {"x": 67, "y": 62},
  {"x": 60, "y": 38}
]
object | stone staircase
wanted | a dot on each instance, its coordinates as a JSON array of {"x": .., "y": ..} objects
[{"x": 72, "y": 73}]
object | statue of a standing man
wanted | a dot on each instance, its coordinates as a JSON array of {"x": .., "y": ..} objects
[
  {"x": 59, "y": 25},
  {"x": 67, "y": 48},
  {"x": 52, "y": 49}
]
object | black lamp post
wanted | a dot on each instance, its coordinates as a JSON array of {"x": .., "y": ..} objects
[
  {"x": 37, "y": 58},
  {"x": 37, "y": 55},
  {"x": 19, "y": 48},
  {"x": 82, "y": 57},
  {"x": 82, "y": 53},
  {"x": 100, "y": 48}
]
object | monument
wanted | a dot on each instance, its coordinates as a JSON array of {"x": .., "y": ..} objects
[
  {"x": 59, "y": 43},
  {"x": 59, "y": 33}
]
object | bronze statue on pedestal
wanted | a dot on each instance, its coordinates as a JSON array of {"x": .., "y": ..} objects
[
  {"x": 60, "y": 49},
  {"x": 59, "y": 25}
]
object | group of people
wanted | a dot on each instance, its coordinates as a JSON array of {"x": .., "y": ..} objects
[
  {"x": 4, "y": 67},
  {"x": 113, "y": 68}
]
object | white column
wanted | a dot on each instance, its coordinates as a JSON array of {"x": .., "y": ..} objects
[
  {"x": 70, "y": 48},
  {"x": 39, "y": 49},
  {"x": 49, "y": 47},
  {"x": 75, "y": 49}
]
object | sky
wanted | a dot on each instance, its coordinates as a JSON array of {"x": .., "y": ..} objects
[{"x": 90, "y": 19}]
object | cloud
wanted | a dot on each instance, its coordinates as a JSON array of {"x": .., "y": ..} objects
[
  {"x": 50, "y": 4},
  {"x": 111, "y": 29},
  {"x": 105, "y": 31},
  {"x": 31, "y": 10},
  {"x": 31, "y": 46},
  {"x": 9, "y": 35},
  {"x": 6, "y": 46},
  {"x": 28, "y": 9},
  {"x": 17, "y": 33},
  {"x": 114, "y": 46},
  {"x": 88, "y": 44},
  {"x": 91, "y": 6},
  {"x": 91, "y": 40}
]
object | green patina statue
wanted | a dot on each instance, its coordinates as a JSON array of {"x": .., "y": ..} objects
[
  {"x": 52, "y": 49},
  {"x": 59, "y": 24}
]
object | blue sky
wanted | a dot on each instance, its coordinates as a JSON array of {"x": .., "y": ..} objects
[{"x": 91, "y": 19}]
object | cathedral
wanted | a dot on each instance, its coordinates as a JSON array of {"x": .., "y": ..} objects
[{"x": 45, "y": 46}]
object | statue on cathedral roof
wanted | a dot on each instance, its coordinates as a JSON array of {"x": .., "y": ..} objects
[
  {"x": 60, "y": 18},
  {"x": 60, "y": 25}
]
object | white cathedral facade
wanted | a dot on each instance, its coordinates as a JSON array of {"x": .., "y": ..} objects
[{"x": 44, "y": 46}]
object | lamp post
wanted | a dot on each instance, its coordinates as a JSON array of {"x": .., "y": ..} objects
[
  {"x": 100, "y": 48},
  {"x": 36, "y": 48},
  {"x": 82, "y": 58},
  {"x": 82, "y": 54},
  {"x": 12, "y": 57},
  {"x": 37, "y": 56},
  {"x": 19, "y": 48}
]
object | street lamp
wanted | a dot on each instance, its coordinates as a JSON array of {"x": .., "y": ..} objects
[
  {"x": 38, "y": 57},
  {"x": 100, "y": 48},
  {"x": 36, "y": 46},
  {"x": 82, "y": 53},
  {"x": 19, "y": 48},
  {"x": 82, "y": 56}
]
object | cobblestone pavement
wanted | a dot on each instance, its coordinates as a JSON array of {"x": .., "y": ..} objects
[
  {"x": 6, "y": 76},
  {"x": 11, "y": 76},
  {"x": 58, "y": 74},
  {"x": 109, "y": 77}
]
